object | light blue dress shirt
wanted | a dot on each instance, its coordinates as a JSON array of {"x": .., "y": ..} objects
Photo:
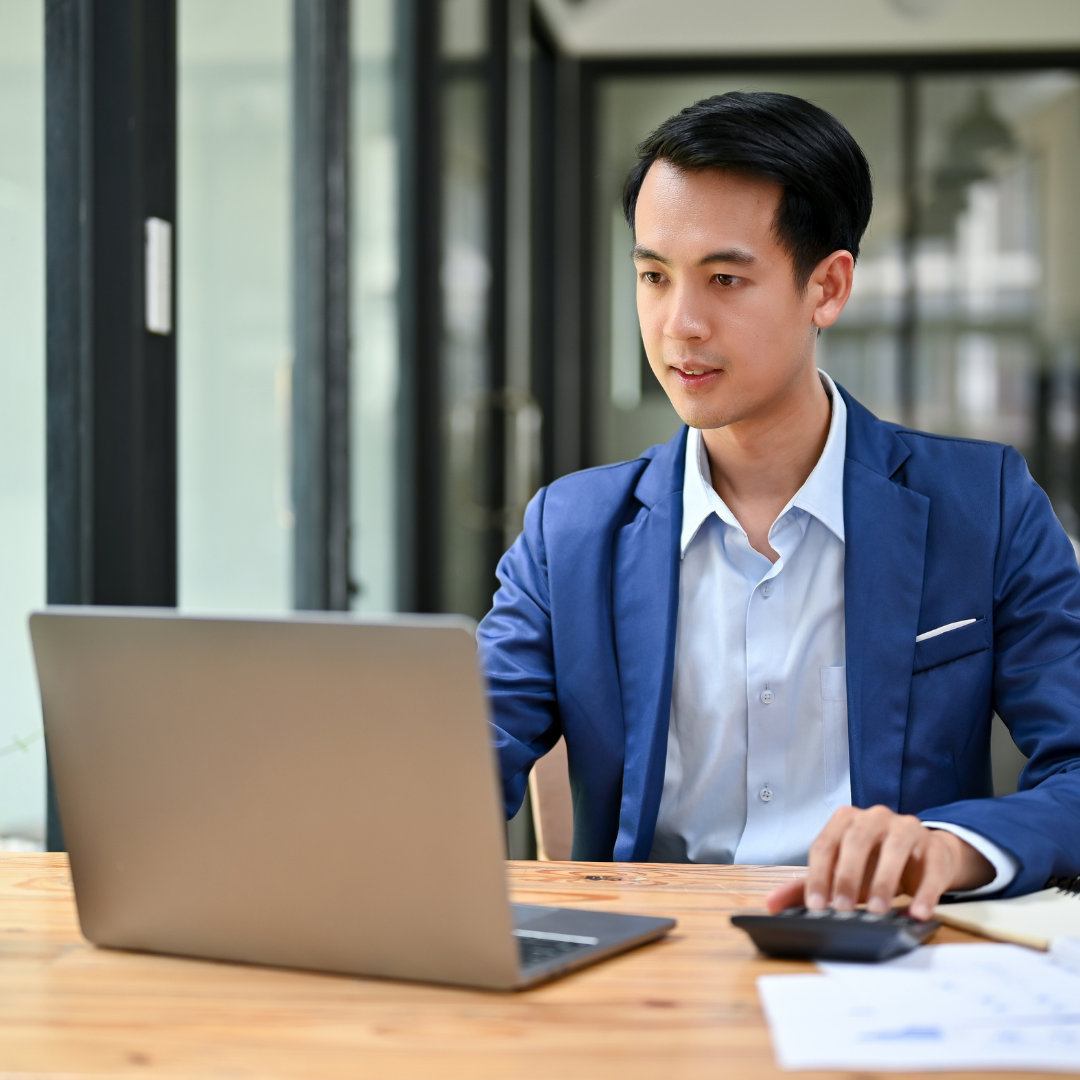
[{"x": 757, "y": 752}]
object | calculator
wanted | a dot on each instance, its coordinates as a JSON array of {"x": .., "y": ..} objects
[{"x": 836, "y": 935}]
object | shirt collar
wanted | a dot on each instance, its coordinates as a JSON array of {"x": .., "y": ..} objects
[{"x": 821, "y": 496}]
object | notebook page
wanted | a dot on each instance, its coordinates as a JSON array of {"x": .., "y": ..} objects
[{"x": 1028, "y": 920}]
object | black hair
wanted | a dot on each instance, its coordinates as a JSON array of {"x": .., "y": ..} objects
[{"x": 827, "y": 193}]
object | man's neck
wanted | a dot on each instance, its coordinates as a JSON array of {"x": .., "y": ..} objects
[{"x": 756, "y": 466}]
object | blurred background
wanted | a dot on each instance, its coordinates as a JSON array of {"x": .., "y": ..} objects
[{"x": 398, "y": 286}]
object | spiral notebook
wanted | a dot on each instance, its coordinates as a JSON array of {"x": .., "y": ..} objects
[{"x": 1032, "y": 920}]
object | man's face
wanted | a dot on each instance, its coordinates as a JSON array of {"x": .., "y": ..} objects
[{"x": 727, "y": 331}]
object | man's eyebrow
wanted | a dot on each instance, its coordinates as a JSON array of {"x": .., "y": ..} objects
[
  {"x": 641, "y": 252},
  {"x": 739, "y": 256}
]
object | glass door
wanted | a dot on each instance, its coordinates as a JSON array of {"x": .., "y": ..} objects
[
  {"x": 22, "y": 415},
  {"x": 234, "y": 333}
]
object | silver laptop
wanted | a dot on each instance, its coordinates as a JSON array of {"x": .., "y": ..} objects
[{"x": 310, "y": 792}]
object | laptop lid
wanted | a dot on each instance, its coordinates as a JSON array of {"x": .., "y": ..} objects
[{"x": 315, "y": 791}]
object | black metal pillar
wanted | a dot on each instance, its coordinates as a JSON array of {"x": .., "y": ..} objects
[
  {"x": 110, "y": 88},
  {"x": 320, "y": 384},
  {"x": 907, "y": 332},
  {"x": 420, "y": 508},
  {"x": 497, "y": 98},
  {"x": 561, "y": 106}
]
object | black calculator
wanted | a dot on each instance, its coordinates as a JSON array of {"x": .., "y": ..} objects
[{"x": 836, "y": 935}]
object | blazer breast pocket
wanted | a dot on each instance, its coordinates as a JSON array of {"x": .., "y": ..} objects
[{"x": 952, "y": 645}]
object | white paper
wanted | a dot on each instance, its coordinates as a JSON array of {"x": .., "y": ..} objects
[
  {"x": 988, "y": 960},
  {"x": 940, "y": 1007}
]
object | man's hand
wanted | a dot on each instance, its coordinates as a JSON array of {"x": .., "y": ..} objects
[{"x": 875, "y": 855}]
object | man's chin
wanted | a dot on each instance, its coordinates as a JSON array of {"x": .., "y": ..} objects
[{"x": 706, "y": 419}]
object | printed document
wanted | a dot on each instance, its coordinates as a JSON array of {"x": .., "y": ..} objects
[{"x": 940, "y": 1007}]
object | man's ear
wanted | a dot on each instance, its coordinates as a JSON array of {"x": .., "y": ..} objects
[{"x": 831, "y": 286}]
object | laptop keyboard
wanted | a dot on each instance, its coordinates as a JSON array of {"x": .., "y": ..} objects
[{"x": 539, "y": 949}]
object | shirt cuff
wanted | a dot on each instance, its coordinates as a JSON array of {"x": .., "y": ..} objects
[{"x": 1005, "y": 866}]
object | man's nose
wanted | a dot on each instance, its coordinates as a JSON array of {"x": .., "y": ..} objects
[{"x": 686, "y": 317}]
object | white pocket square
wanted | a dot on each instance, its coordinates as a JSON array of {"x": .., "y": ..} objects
[{"x": 943, "y": 629}]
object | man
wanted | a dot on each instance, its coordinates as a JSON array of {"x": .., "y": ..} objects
[{"x": 781, "y": 636}]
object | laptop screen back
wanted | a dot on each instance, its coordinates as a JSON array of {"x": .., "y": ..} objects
[{"x": 316, "y": 792}]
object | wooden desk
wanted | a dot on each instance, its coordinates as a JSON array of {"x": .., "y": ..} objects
[{"x": 683, "y": 1007}]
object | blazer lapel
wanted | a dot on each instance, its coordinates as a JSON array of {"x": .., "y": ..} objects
[
  {"x": 645, "y": 591},
  {"x": 885, "y": 546}
]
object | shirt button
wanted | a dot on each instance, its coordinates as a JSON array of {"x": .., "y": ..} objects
[
  {"x": 767, "y": 696},
  {"x": 765, "y": 794},
  {"x": 766, "y": 589}
]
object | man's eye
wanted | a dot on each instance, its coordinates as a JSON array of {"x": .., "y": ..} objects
[
  {"x": 725, "y": 279},
  {"x": 653, "y": 277}
]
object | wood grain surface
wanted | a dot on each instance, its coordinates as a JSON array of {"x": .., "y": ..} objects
[{"x": 685, "y": 1006}]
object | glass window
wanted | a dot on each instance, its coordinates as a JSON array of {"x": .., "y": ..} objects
[
  {"x": 998, "y": 267},
  {"x": 234, "y": 343},
  {"x": 374, "y": 277},
  {"x": 22, "y": 413},
  {"x": 470, "y": 407}
]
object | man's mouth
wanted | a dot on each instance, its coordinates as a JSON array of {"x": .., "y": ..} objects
[{"x": 696, "y": 372}]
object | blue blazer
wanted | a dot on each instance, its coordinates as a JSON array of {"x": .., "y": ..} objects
[{"x": 580, "y": 641}]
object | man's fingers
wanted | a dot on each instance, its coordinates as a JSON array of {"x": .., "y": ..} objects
[
  {"x": 857, "y": 850},
  {"x": 875, "y": 854},
  {"x": 790, "y": 895},
  {"x": 856, "y": 855},
  {"x": 903, "y": 842},
  {"x": 938, "y": 868},
  {"x": 818, "y": 887}
]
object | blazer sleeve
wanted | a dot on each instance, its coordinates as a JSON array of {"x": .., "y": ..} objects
[
  {"x": 517, "y": 657},
  {"x": 1036, "y": 687}
]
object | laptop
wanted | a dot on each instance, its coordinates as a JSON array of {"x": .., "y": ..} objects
[{"x": 315, "y": 792}]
